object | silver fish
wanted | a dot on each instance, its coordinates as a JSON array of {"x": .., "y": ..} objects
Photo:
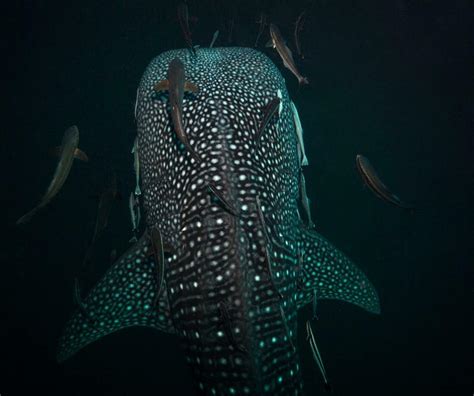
[
  {"x": 316, "y": 355},
  {"x": 305, "y": 200},
  {"x": 136, "y": 166},
  {"x": 134, "y": 207},
  {"x": 299, "y": 134}
]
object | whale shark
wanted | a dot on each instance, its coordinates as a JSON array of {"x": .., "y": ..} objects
[{"x": 234, "y": 261}]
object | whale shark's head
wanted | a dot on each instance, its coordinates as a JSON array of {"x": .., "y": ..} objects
[{"x": 239, "y": 260}]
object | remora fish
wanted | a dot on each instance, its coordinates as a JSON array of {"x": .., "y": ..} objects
[
  {"x": 106, "y": 200},
  {"x": 316, "y": 355},
  {"x": 214, "y": 38},
  {"x": 298, "y": 27},
  {"x": 176, "y": 84},
  {"x": 217, "y": 257},
  {"x": 135, "y": 215},
  {"x": 370, "y": 177},
  {"x": 68, "y": 149},
  {"x": 305, "y": 200},
  {"x": 268, "y": 112},
  {"x": 136, "y": 166},
  {"x": 299, "y": 134},
  {"x": 183, "y": 18},
  {"x": 278, "y": 43},
  {"x": 263, "y": 22}
]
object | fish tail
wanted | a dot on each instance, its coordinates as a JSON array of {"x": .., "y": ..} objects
[
  {"x": 27, "y": 217},
  {"x": 303, "y": 80}
]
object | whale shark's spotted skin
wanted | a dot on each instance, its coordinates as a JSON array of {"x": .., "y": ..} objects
[{"x": 233, "y": 283}]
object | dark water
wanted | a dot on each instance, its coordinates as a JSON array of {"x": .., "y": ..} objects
[{"x": 393, "y": 82}]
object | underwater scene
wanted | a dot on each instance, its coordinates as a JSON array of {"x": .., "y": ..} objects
[{"x": 211, "y": 197}]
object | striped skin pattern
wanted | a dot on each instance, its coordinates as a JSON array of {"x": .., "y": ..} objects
[{"x": 233, "y": 281}]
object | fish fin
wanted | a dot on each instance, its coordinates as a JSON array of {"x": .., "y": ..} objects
[
  {"x": 27, "y": 217},
  {"x": 270, "y": 44},
  {"x": 220, "y": 197},
  {"x": 190, "y": 87},
  {"x": 123, "y": 298},
  {"x": 162, "y": 85},
  {"x": 333, "y": 275},
  {"x": 303, "y": 80},
  {"x": 78, "y": 154},
  {"x": 81, "y": 155}
]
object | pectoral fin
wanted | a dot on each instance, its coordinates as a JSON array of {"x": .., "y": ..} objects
[
  {"x": 78, "y": 154},
  {"x": 162, "y": 85},
  {"x": 123, "y": 298},
  {"x": 333, "y": 275},
  {"x": 190, "y": 87}
]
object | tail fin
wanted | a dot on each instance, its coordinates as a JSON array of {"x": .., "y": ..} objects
[
  {"x": 124, "y": 297},
  {"x": 333, "y": 275}
]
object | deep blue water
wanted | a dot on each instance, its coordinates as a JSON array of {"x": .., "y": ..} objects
[{"x": 390, "y": 80}]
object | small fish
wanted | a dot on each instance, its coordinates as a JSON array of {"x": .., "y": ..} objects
[
  {"x": 106, "y": 200},
  {"x": 136, "y": 166},
  {"x": 268, "y": 258},
  {"x": 135, "y": 215},
  {"x": 315, "y": 304},
  {"x": 159, "y": 254},
  {"x": 263, "y": 23},
  {"x": 287, "y": 329},
  {"x": 68, "y": 149},
  {"x": 268, "y": 112},
  {"x": 298, "y": 28},
  {"x": 227, "y": 325},
  {"x": 280, "y": 96},
  {"x": 214, "y": 38},
  {"x": 227, "y": 206},
  {"x": 183, "y": 18},
  {"x": 370, "y": 177},
  {"x": 299, "y": 135},
  {"x": 277, "y": 42},
  {"x": 305, "y": 200},
  {"x": 176, "y": 85},
  {"x": 78, "y": 301},
  {"x": 317, "y": 355},
  {"x": 136, "y": 105}
]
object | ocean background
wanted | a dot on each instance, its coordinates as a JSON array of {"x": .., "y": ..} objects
[{"x": 392, "y": 80}]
